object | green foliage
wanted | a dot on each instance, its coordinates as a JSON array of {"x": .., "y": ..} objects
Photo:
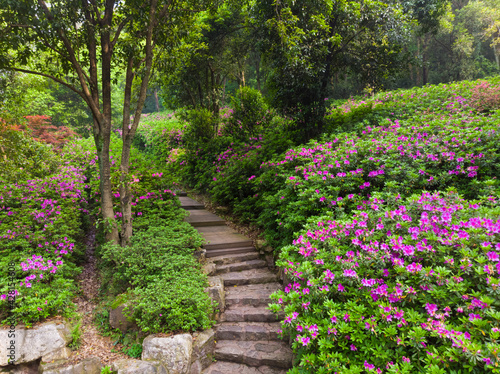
[
  {"x": 76, "y": 336},
  {"x": 106, "y": 370},
  {"x": 158, "y": 134},
  {"x": 309, "y": 42},
  {"x": 165, "y": 278},
  {"x": 202, "y": 125},
  {"x": 249, "y": 113},
  {"x": 32, "y": 95},
  {"x": 134, "y": 351},
  {"x": 22, "y": 157}
]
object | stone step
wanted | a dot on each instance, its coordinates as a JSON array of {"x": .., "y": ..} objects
[
  {"x": 224, "y": 367},
  {"x": 258, "y": 353},
  {"x": 202, "y": 217},
  {"x": 250, "y": 314},
  {"x": 228, "y": 251},
  {"x": 180, "y": 193},
  {"x": 253, "y": 276},
  {"x": 231, "y": 259},
  {"x": 248, "y": 331},
  {"x": 251, "y": 295},
  {"x": 190, "y": 204},
  {"x": 221, "y": 237},
  {"x": 239, "y": 266}
]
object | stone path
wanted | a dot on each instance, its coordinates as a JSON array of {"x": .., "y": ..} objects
[{"x": 247, "y": 333}]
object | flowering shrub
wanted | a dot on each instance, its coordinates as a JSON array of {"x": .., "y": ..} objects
[
  {"x": 400, "y": 285},
  {"x": 485, "y": 97},
  {"x": 394, "y": 157},
  {"x": 40, "y": 223}
]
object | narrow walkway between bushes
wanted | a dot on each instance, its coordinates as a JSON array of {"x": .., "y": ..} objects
[{"x": 247, "y": 333}]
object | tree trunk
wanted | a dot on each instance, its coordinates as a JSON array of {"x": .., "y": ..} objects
[
  {"x": 257, "y": 70},
  {"x": 157, "y": 102},
  {"x": 105, "y": 132},
  {"x": 102, "y": 142},
  {"x": 128, "y": 130},
  {"x": 418, "y": 77},
  {"x": 224, "y": 92},
  {"x": 496, "y": 52}
]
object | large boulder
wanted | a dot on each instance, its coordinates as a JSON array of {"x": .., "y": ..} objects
[
  {"x": 91, "y": 365},
  {"x": 203, "y": 351},
  {"x": 138, "y": 367},
  {"x": 173, "y": 352},
  {"x": 32, "y": 344}
]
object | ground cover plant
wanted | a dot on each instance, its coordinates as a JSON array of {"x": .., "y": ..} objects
[
  {"x": 387, "y": 226},
  {"x": 41, "y": 207}
]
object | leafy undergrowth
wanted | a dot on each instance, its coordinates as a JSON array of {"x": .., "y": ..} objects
[{"x": 387, "y": 226}]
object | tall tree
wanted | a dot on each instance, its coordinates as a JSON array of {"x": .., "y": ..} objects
[
  {"x": 310, "y": 41},
  {"x": 80, "y": 44}
]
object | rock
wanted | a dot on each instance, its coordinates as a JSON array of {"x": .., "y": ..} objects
[
  {"x": 208, "y": 268},
  {"x": 216, "y": 293},
  {"x": 30, "y": 368},
  {"x": 174, "y": 352},
  {"x": 196, "y": 367},
  {"x": 59, "y": 354},
  {"x": 203, "y": 350},
  {"x": 138, "y": 367},
  {"x": 200, "y": 254},
  {"x": 270, "y": 261},
  {"x": 260, "y": 244},
  {"x": 91, "y": 365},
  {"x": 268, "y": 249},
  {"x": 32, "y": 344},
  {"x": 118, "y": 317}
]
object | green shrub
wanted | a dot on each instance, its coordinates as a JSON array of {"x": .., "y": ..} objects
[
  {"x": 249, "y": 113},
  {"x": 201, "y": 126},
  {"x": 166, "y": 283}
]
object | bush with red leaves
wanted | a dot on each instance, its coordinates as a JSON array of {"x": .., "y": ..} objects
[
  {"x": 40, "y": 128},
  {"x": 485, "y": 97}
]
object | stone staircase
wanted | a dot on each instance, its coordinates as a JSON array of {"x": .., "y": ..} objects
[{"x": 246, "y": 333}]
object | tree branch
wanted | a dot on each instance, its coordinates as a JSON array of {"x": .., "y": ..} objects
[
  {"x": 58, "y": 80},
  {"x": 119, "y": 30},
  {"x": 78, "y": 69}
]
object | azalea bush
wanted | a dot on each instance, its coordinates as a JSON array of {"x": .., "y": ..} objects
[
  {"x": 395, "y": 156},
  {"x": 40, "y": 231},
  {"x": 398, "y": 286}
]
